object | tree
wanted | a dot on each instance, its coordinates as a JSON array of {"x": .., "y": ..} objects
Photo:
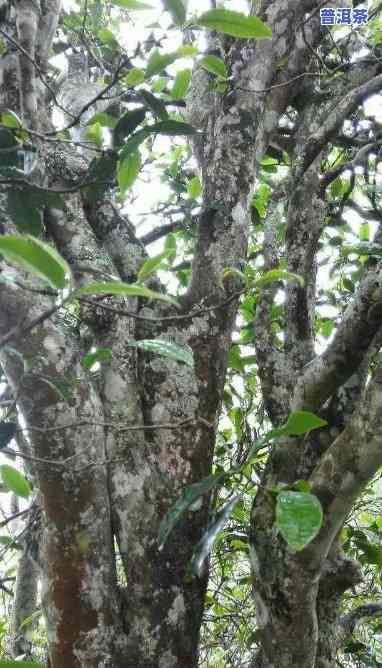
[{"x": 115, "y": 386}]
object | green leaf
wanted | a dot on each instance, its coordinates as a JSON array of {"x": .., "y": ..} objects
[
  {"x": 214, "y": 65},
  {"x": 194, "y": 187},
  {"x": 7, "y": 432},
  {"x": 364, "y": 232},
  {"x": 127, "y": 124},
  {"x": 206, "y": 543},
  {"x": 15, "y": 481},
  {"x": 36, "y": 257},
  {"x": 170, "y": 247},
  {"x": 133, "y": 143},
  {"x": 135, "y": 77},
  {"x": 123, "y": 289},
  {"x": 301, "y": 422},
  {"x": 158, "y": 62},
  {"x": 277, "y": 275},
  {"x": 150, "y": 266},
  {"x": 181, "y": 84},
  {"x": 298, "y": 518},
  {"x": 166, "y": 349},
  {"x": 177, "y": 9},
  {"x": 132, "y": 4},
  {"x": 234, "y": 24},
  {"x": 191, "y": 494},
  {"x": 94, "y": 134},
  {"x": 128, "y": 170},
  {"x": 103, "y": 119},
  {"x": 10, "y": 120},
  {"x": 172, "y": 128},
  {"x": 20, "y": 664},
  {"x": 99, "y": 355}
]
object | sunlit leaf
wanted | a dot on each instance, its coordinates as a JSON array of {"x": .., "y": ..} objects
[
  {"x": 20, "y": 664},
  {"x": 298, "y": 518},
  {"x": 302, "y": 422},
  {"x": 184, "y": 503},
  {"x": 15, "y": 481},
  {"x": 135, "y": 77},
  {"x": 214, "y": 65},
  {"x": 194, "y": 188},
  {"x": 36, "y": 257},
  {"x": 159, "y": 61},
  {"x": 166, "y": 349},
  {"x": 132, "y": 5},
  {"x": 99, "y": 355},
  {"x": 94, "y": 134},
  {"x": 123, "y": 289},
  {"x": 128, "y": 170},
  {"x": 181, "y": 84},
  {"x": 150, "y": 266},
  {"x": 278, "y": 275},
  {"x": 234, "y": 24}
]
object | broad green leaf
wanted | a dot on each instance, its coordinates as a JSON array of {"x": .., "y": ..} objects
[
  {"x": 62, "y": 388},
  {"x": 181, "y": 84},
  {"x": 177, "y": 9},
  {"x": 20, "y": 664},
  {"x": 155, "y": 104},
  {"x": 127, "y": 124},
  {"x": 301, "y": 422},
  {"x": 94, "y": 134},
  {"x": 135, "y": 77},
  {"x": 132, "y": 4},
  {"x": 187, "y": 51},
  {"x": 36, "y": 257},
  {"x": 234, "y": 24},
  {"x": 277, "y": 275},
  {"x": 133, "y": 143},
  {"x": 103, "y": 119},
  {"x": 214, "y": 65},
  {"x": 194, "y": 188},
  {"x": 364, "y": 232},
  {"x": 10, "y": 120},
  {"x": 172, "y": 128},
  {"x": 128, "y": 170},
  {"x": 123, "y": 289},
  {"x": 159, "y": 61},
  {"x": 191, "y": 494},
  {"x": 7, "y": 432},
  {"x": 298, "y": 518},
  {"x": 206, "y": 543},
  {"x": 15, "y": 481},
  {"x": 150, "y": 266},
  {"x": 99, "y": 355},
  {"x": 166, "y": 349},
  {"x": 170, "y": 247}
]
